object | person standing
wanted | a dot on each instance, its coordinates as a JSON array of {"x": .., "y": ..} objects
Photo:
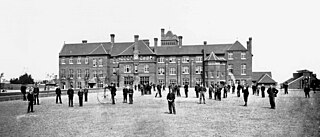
[
  {"x": 164, "y": 87},
  {"x": 239, "y": 87},
  {"x": 85, "y": 91},
  {"x": 178, "y": 90},
  {"x": 113, "y": 92},
  {"x": 202, "y": 94},
  {"x": 186, "y": 90},
  {"x": 285, "y": 86},
  {"x": 219, "y": 90},
  {"x": 258, "y": 90},
  {"x": 170, "y": 98},
  {"x": 314, "y": 86},
  {"x": 23, "y": 90},
  {"x": 36, "y": 94},
  {"x": 158, "y": 91},
  {"x": 263, "y": 88},
  {"x": 245, "y": 94},
  {"x": 196, "y": 88},
  {"x": 233, "y": 88},
  {"x": 58, "y": 95},
  {"x": 225, "y": 90},
  {"x": 306, "y": 91},
  {"x": 80, "y": 94},
  {"x": 130, "y": 92},
  {"x": 272, "y": 91},
  {"x": 30, "y": 97},
  {"x": 210, "y": 91},
  {"x": 70, "y": 93},
  {"x": 254, "y": 89},
  {"x": 125, "y": 92}
]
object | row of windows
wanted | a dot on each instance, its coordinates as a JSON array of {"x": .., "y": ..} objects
[
  {"x": 79, "y": 73},
  {"x": 127, "y": 69},
  {"x": 168, "y": 43},
  {"x": 96, "y": 62},
  {"x": 242, "y": 55},
  {"x": 185, "y": 81},
  {"x": 183, "y": 60},
  {"x": 243, "y": 69}
]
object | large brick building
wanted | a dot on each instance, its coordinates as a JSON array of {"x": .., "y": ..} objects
[{"x": 96, "y": 64}]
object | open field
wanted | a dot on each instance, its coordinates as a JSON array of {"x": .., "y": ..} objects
[{"x": 294, "y": 116}]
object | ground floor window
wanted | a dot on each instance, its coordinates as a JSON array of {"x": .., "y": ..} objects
[
  {"x": 127, "y": 80},
  {"x": 185, "y": 81},
  {"x": 161, "y": 81},
  {"x": 71, "y": 84},
  {"x": 172, "y": 81},
  {"x": 78, "y": 84},
  {"x": 144, "y": 80},
  {"x": 100, "y": 84}
]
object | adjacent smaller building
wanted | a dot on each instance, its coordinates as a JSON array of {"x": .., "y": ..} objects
[
  {"x": 302, "y": 78},
  {"x": 265, "y": 78}
]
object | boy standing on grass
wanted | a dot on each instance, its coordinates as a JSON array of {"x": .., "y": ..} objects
[{"x": 170, "y": 98}]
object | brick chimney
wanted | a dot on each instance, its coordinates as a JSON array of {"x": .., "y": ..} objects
[
  {"x": 135, "y": 48},
  {"x": 112, "y": 38},
  {"x": 155, "y": 42},
  {"x": 162, "y": 33},
  {"x": 84, "y": 41},
  {"x": 180, "y": 40},
  {"x": 249, "y": 45},
  {"x": 205, "y": 43}
]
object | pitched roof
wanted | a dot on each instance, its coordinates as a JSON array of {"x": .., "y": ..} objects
[
  {"x": 99, "y": 50},
  {"x": 257, "y": 75},
  {"x": 142, "y": 47},
  {"x": 213, "y": 57},
  {"x": 237, "y": 46},
  {"x": 266, "y": 79},
  {"x": 192, "y": 49},
  {"x": 117, "y": 48},
  {"x": 84, "y": 48}
]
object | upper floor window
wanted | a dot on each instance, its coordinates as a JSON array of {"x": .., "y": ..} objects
[
  {"x": 243, "y": 55},
  {"x": 185, "y": 60},
  {"x": 63, "y": 61},
  {"x": 70, "y": 60},
  {"x": 136, "y": 68},
  {"x": 101, "y": 74},
  {"x": 185, "y": 70},
  {"x": 79, "y": 60},
  {"x": 230, "y": 56},
  {"x": 172, "y": 59},
  {"x": 95, "y": 73},
  {"x": 146, "y": 69},
  {"x": 199, "y": 59},
  {"x": 86, "y": 60},
  {"x": 94, "y": 62},
  {"x": 243, "y": 69},
  {"x": 161, "y": 60},
  {"x": 71, "y": 73},
  {"x": 161, "y": 71},
  {"x": 127, "y": 69},
  {"x": 172, "y": 71},
  {"x": 79, "y": 73},
  {"x": 86, "y": 73},
  {"x": 100, "y": 62},
  {"x": 199, "y": 70},
  {"x": 63, "y": 73},
  {"x": 230, "y": 68}
]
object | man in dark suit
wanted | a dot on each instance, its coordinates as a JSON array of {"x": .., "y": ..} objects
[
  {"x": 272, "y": 91},
  {"x": 80, "y": 94},
  {"x": 36, "y": 94},
  {"x": 158, "y": 90},
  {"x": 245, "y": 92},
  {"x": 306, "y": 91},
  {"x": 58, "y": 95},
  {"x": 202, "y": 94},
  {"x": 130, "y": 92},
  {"x": 285, "y": 86},
  {"x": 196, "y": 88},
  {"x": 239, "y": 87},
  {"x": 125, "y": 93},
  {"x": 263, "y": 88},
  {"x": 113, "y": 90},
  {"x": 170, "y": 98},
  {"x": 186, "y": 90},
  {"x": 85, "y": 91},
  {"x": 30, "y": 97},
  {"x": 70, "y": 93},
  {"x": 23, "y": 89}
]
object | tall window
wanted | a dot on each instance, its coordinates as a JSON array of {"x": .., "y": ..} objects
[
  {"x": 100, "y": 62},
  {"x": 185, "y": 60},
  {"x": 172, "y": 71},
  {"x": 230, "y": 56},
  {"x": 63, "y": 73},
  {"x": 63, "y": 61},
  {"x": 161, "y": 81},
  {"x": 78, "y": 84},
  {"x": 144, "y": 80},
  {"x": 243, "y": 55},
  {"x": 79, "y": 73},
  {"x": 172, "y": 59},
  {"x": 161, "y": 71},
  {"x": 185, "y": 81},
  {"x": 146, "y": 69},
  {"x": 79, "y": 60},
  {"x": 198, "y": 69},
  {"x": 127, "y": 69},
  {"x": 71, "y": 73},
  {"x": 86, "y": 60},
  {"x": 198, "y": 59},
  {"x": 101, "y": 74},
  {"x": 243, "y": 69},
  {"x": 172, "y": 81},
  {"x": 185, "y": 70},
  {"x": 136, "y": 68},
  {"x": 128, "y": 80},
  {"x": 95, "y": 73},
  {"x": 94, "y": 62},
  {"x": 87, "y": 73},
  {"x": 70, "y": 60},
  {"x": 100, "y": 84},
  {"x": 230, "y": 68}
]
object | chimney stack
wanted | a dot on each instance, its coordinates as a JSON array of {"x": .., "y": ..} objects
[
  {"x": 84, "y": 41},
  {"x": 205, "y": 43},
  {"x": 112, "y": 38},
  {"x": 180, "y": 40},
  {"x": 249, "y": 45},
  {"x": 136, "y": 39},
  {"x": 162, "y": 33},
  {"x": 155, "y": 42}
]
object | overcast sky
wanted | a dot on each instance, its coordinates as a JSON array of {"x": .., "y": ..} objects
[{"x": 285, "y": 33}]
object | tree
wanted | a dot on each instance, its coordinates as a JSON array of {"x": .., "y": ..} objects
[{"x": 23, "y": 79}]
